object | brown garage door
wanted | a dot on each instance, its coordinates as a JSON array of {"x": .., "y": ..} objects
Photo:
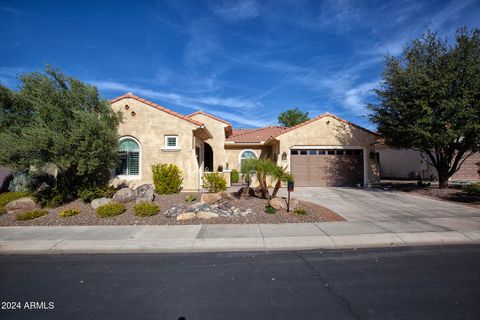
[{"x": 320, "y": 167}]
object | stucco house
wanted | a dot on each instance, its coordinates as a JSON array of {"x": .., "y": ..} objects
[
  {"x": 411, "y": 164},
  {"x": 323, "y": 151}
]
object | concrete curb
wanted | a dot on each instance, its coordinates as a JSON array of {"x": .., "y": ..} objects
[{"x": 231, "y": 238}]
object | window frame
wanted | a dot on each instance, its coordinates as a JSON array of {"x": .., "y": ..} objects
[
  {"x": 177, "y": 142},
  {"x": 240, "y": 157},
  {"x": 130, "y": 176}
]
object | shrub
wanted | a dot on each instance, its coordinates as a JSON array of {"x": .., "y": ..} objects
[
  {"x": 234, "y": 176},
  {"x": 300, "y": 212},
  {"x": 111, "y": 210},
  {"x": 215, "y": 182},
  {"x": 7, "y": 197},
  {"x": 146, "y": 209},
  {"x": 52, "y": 198},
  {"x": 88, "y": 194},
  {"x": 472, "y": 189},
  {"x": 167, "y": 178},
  {"x": 190, "y": 198},
  {"x": 69, "y": 213},
  {"x": 220, "y": 168},
  {"x": 21, "y": 182},
  {"x": 29, "y": 215},
  {"x": 270, "y": 210}
]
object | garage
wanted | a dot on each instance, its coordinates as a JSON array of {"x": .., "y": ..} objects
[{"x": 326, "y": 167}]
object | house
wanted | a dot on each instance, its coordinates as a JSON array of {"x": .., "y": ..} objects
[
  {"x": 411, "y": 164},
  {"x": 323, "y": 151}
]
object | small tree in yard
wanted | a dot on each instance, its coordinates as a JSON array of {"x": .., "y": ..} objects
[
  {"x": 292, "y": 117},
  {"x": 429, "y": 100},
  {"x": 56, "y": 119},
  {"x": 263, "y": 168}
]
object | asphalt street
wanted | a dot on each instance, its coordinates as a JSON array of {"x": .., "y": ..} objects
[{"x": 394, "y": 283}]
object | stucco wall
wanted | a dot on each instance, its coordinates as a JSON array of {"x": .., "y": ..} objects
[
  {"x": 403, "y": 164},
  {"x": 217, "y": 129},
  {"x": 233, "y": 153},
  {"x": 149, "y": 126},
  {"x": 328, "y": 131}
]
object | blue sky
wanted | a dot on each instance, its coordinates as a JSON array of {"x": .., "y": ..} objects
[{"x": 245, "y": 61}]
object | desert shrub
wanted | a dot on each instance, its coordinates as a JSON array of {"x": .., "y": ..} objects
[
  {"x": 167, "y": 178},
  {"x": 270, "y": 210},
  {"x": 214, "y": 182},
  {"x": 111, "y": 210},
  {"x": 190, "y": 198},
  {"x": 88, "y": 194},
  {"x": 29, "y": 215},
  {"x": 472, "y": 189},
  {"x": 146, "y": 209},
  {"x": 300, "y": 212},
  {"x": 69, "y": 213},
  {"x": 21, "y": 182},
  {"x": 234, "y": 176},
  {"x": 7, "y": 197},
  {"x": 52, "y": 198}
]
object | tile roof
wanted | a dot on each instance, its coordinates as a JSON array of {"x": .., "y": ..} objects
[
  {"x": 323, "y": 116},
  {"x": 208, "y": 115},
  {"x": 150, "y": 103},
  {"x": 255, "y": 135}
]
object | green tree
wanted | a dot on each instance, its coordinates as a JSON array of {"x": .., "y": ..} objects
[
  {"x": 292, "y": 117},
  {"x": 429, "y": 100},
  {"x": 280, "y": 174},
  {"x": 56, "y": 119},
  {"x": 263, "y": 168}
]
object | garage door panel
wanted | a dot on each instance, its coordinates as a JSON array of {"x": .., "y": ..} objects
[{"x": 327, "y": 170}]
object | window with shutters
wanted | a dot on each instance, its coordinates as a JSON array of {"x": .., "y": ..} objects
[{"x": 129, "y": 152}]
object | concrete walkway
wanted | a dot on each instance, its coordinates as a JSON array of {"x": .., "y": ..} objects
[{"x": 253, "y": 237}]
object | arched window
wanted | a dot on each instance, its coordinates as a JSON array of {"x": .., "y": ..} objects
[
  {"x": 246, "y": 155},
  {"x": 129, "y": 152}
]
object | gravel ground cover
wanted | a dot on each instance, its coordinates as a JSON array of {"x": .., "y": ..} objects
[{"x": 88, "y": 216}]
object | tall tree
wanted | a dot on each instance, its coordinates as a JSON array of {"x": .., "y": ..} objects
[
  {"x": 429, "y": 100},
  {"x": 56, "y": 119},
  {"x": 292, "y": 117}
]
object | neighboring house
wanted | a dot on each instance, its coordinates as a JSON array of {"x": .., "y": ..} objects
[
  {"x": 411, "y": 164},
  {"x": 323, "y": 151}
]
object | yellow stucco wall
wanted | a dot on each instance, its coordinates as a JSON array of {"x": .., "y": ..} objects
[
  {"x": 217, "y": 129},
  {"x": 328, "y": 131},
  {"x": 149, "y": 127}
]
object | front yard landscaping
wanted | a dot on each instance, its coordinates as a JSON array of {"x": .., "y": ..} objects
[
  {"x": 229, "y": 209},
  {"x": 458, "y": 194}
]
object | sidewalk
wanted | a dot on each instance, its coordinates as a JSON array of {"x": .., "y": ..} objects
[{"x": 252, "y": 237}]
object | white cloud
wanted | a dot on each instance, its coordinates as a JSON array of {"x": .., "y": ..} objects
[{"x": 238, "y": 11}]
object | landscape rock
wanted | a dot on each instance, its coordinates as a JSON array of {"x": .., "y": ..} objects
[
  {"x": 186, "y": 216},
  {"x": 226, "y": 195},
  {"x": 124, "y": 195},
  {"x": 206, "y": 215},
  {"x": 19, "y": 206},
  {"x": 210, "y": 198},
  {"x": 278, "y": 203},
  {"x": 258, "y": 192},
  {"x": 144, "y": 193},
  {"x": 100, "y": 202}
]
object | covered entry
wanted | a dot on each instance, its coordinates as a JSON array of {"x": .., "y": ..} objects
[{"x": 327, "y": 167}]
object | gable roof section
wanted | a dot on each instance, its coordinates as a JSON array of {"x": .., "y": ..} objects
[
  {"x": 323, "y": 116},
  {"x": 210, "y": 116},
  {"x": 255, "y": 135},
  {"x": 156, "y": 106}
]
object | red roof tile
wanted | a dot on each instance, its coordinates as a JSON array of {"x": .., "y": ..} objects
[
  {"x": 150, "y": 103},
  {"x": 209, "y": 115},
  {"x": 255, "y": 135}
]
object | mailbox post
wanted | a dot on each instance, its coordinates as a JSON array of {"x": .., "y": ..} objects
[{"x": 290, "y": 187}]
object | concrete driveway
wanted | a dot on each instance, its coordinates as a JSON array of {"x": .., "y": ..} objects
[{"x": 376, "y": 205}]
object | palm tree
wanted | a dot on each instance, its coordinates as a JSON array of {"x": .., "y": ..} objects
[
  {"x": 281, "y": 175},
  {"x": 261, "y": 168}
]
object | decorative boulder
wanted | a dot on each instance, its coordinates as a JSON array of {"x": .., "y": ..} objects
[
  {"x": 226, "y": 195},
  {"x": 206, "y": 215},
  {"x": 245, "y": 192},
  {"x": 281, "y": 203},
  {"x": 124, "y": 195},
  {"x": 19, "y": 206},
  {"x": 186, "y": 216},
  {"x": 100, "y": 202},
  {"x": 210, "y": 198},
  {"x": 144, "y": 193},
  {"x": 258, "y": 192}
]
